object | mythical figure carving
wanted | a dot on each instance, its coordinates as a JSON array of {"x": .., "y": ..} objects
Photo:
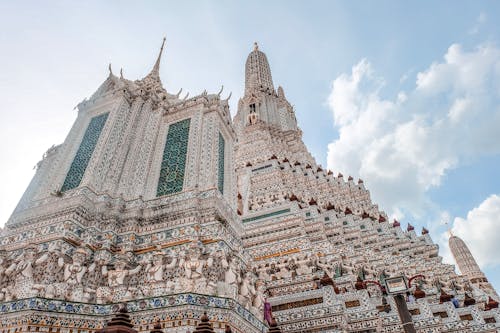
[
  {"x": 193, "y": 265},
  {"x": 259, "y": 299},
  {"x": 117, "y": 289},
  {"x": 73, "y": 287},
  {"x": 232, "y": 278},
  {"x": 22, "y": 269},
  {"x": 247, "y": 290}
]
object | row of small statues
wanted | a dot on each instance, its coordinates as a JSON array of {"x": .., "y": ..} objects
[
  {"x": 310, "y": 263},
  {"x": 55, "y": 275},
  {"x": 104, "y": 278}
]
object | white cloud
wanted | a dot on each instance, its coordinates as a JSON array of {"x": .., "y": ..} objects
[
  {"x": 479, "y": 230},
  {"x": 403, "y": 146}
]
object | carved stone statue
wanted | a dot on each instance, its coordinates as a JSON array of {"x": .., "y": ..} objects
[
  {"x": 229, "y": 287},
  {"x": 215, "y": 271},
  {"x": 259, "y": 299},
  {"x": 247, "y": 290},
  {"x": 22, "y": 270},
  {"x": 303, "y": 266},
  {"x": 118, "y": 290},
  {"x": 154, "y": 269},
  {"x": 193, "y": 265},
  {"x": 97, "y": 277},
  {"x": 326, "y": 267},
  {"x": 4, "y": 279},
  {"x": 155, "y": 273},
  {"x": 73, "y": 277}
]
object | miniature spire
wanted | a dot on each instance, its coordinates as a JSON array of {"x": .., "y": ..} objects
[
  {"x": 156, "y": 68},
  {"x": 450, "y": 233},
  {"x": 257, "y": 71},
  {"x": 464, "y": 258}
]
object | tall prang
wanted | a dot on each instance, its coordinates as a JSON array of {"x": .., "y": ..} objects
[
  {"x": 137, "y": 206},
  {"x": 467, "y": 264},
  {"x": 167, "y": 208},
  {"x": 275, "y": 130},
  {"x": 268, "y": 134},
  {"x": 320, "y": 246}
]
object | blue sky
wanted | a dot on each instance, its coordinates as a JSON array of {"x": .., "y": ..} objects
[{"x": 402, "y": 94}]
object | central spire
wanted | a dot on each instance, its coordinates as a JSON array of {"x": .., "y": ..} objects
[
  {"x": 155, "y": 72},
  {"x": 257, "y": 71}
]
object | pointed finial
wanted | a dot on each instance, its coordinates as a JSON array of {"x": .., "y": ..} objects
[
  {"x": 450, "y": 233},
  {"x": 121, "y": 73},
  {"x": 255, "y": 46},
  {"x": 110, "y": 70},
  {"x": 178, "y": 94},
  {"x": 156, "y": 68}
]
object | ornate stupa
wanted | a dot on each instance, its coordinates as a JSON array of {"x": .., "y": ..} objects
[{"x": 168, "y": 207}]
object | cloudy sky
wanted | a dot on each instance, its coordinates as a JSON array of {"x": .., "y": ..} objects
[{"x": 405, "y": 95}]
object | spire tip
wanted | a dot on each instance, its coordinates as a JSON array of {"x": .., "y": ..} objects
[{"x": 156, "y": 68}]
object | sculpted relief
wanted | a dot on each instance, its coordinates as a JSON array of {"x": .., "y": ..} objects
[{"x": 101, "y": 276}]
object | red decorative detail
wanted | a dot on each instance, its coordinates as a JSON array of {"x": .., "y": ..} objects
[
  {"x": 336, "y": 289},
  {"x": 381, "y": 219},
  {"x": 469, "y": 300},
  {"x": 413, "y": 278},
  {"x": 492, "y": 304},
  {"x": 329, "y": 173},
  {"x": 360, "y": 181},
  {"x": 359, "y": 285},
  {"x": 340, "y": 175},
  {"x": 294, "y": 198},
  {"x": 273, "y": 157},
  {"x": 319, "y": 169},
  {"x": 425, "y": 231},
  {"x": 157, "y": 328},
  {"x": 410, "y": 227},
  {"x": 120, "y": 323},
  {"x": 273, "y": 327},
  {"x": 381, "y": 287},
  {"x": 444, "y": 297},
  {"x": 308, "y": 166},
  {"x": 330, "y": 206},
  {"x": 312, "y": 202},
  {"x": 418, "y": 293},
  {"x": 347, "y": 211},
  {"x": 297, "y": 163},
  {"x": 365, "y": 215},
  {"x": 350, "y": 178},
  {"x": 395, "y": 223},
  {"x": 326, "y": 280},
  {"x": 286, "y": 160},
  {"x": 249, "y": 164}
]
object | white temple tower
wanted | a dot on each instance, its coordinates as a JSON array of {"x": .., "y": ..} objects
[
  {"x": 171, "y": 207},
  {"x": 468, "y": 265}
]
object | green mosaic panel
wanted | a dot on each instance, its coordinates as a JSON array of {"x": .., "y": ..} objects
[
  {"x": 263, "y": 216},
  {"x": 222, "y": 145},
  {"x": 84, "y": 153},
  {"x": 174, "y": 159}
]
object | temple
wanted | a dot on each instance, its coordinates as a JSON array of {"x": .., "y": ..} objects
[{"x": 162, "y": 213}]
